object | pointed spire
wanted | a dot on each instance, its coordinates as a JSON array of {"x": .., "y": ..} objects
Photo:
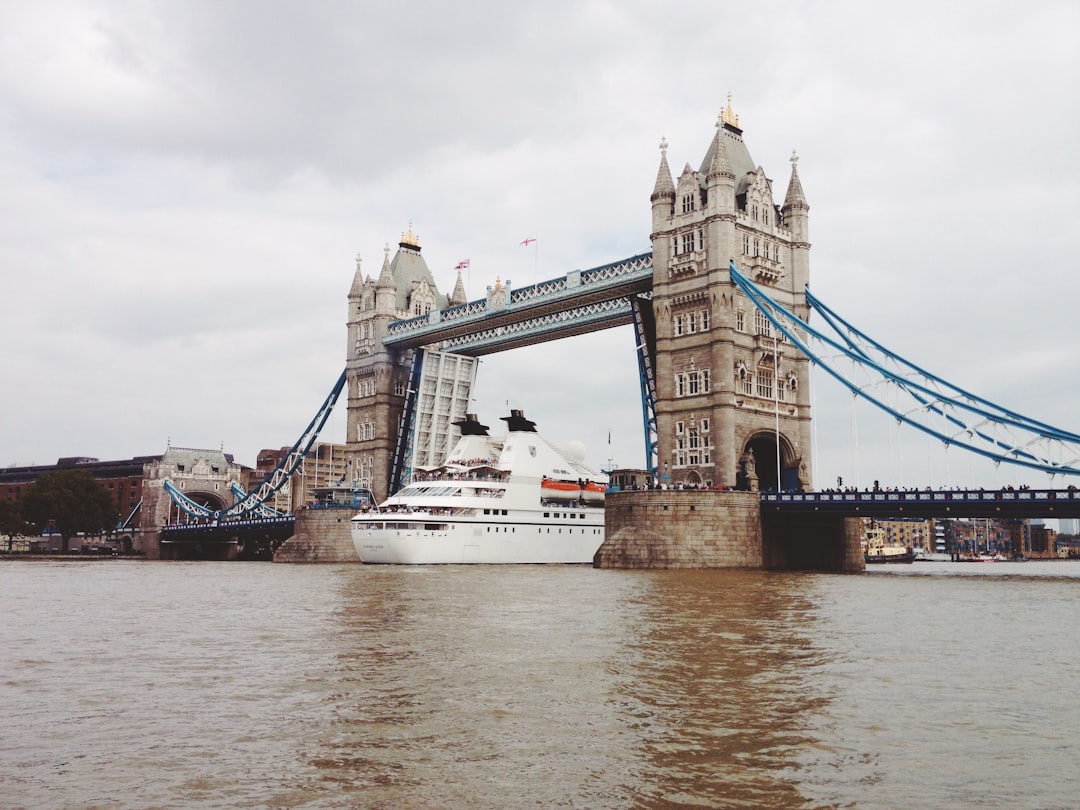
[
  {"x": 795, "y": 198},
  {"x": 664, "y": 186},
  {"x": 358, "y": 279},
  {"x": 720, "y": 165},
  {"x": 458, "y": 295},
  {"x": 386, "y": 278}
]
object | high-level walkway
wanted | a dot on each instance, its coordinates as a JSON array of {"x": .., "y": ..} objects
[{"x": 579, "y": 302}]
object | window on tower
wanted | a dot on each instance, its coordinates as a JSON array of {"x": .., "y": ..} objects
[
  {"x": 762, "y": 325},
  {"x": 765, "y": 383}
]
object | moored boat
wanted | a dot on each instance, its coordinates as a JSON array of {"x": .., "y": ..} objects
[
  {"x": 980, "y": 557},
  {"x": 877, "y": 549},
  {"x": 516, "y": 499}
]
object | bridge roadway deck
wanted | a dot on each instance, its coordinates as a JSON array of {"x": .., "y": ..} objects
[
  {"x": 580, "y": 302},
  {"x": 978, "y": 503}
]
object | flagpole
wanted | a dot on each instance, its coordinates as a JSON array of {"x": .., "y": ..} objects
[
  {"x": 467, "y": 265},
  {"x": 532, "y": 240}
]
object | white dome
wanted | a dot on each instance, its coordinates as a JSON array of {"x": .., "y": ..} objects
[{"x": 575, "y": 451}]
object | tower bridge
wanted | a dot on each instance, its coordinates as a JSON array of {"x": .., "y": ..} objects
[{"x": 721, "y": 311}]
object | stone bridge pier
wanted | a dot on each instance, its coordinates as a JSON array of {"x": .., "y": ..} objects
[{"x": 721, "y": 529}]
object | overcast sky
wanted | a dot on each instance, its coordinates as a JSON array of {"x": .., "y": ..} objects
[{"x": 185, "y": 187}]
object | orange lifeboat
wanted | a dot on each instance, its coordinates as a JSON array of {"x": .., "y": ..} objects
[
  {"x": 560, "y": 490},
  {"x": 593, "y": 492}
]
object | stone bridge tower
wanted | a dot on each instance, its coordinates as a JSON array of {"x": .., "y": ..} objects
[
  {"x": 378, "y": 377},
  {"x": 732, "y": 396}
]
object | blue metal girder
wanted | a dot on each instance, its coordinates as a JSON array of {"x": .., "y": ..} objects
[
  {"x": 976, "y": 421},
  {"x": 254, "y": 501},
  {"x": 565, "y": 323},
  {"x": 399, "y": 469},
  {"x": 581, "y": 301},
  {"x": 645, "y": 340}
]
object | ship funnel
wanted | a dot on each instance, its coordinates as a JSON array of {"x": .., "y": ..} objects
[{"x": 517, "y": 421}]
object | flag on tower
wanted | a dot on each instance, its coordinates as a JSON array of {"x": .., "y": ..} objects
[
  {"x": 462, "y": 264},
  {"x": 528, "y": 241}
]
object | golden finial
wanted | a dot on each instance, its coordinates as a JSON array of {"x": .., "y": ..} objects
[
  {"x": 728, "y": 116},
  {"x": 410, "y": 238}
]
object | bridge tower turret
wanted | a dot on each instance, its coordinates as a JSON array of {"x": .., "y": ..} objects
[
  {"x": 378, "y": 376},
  {"x": 732, "y": 397},
  {"x": 796, "y": 215}
]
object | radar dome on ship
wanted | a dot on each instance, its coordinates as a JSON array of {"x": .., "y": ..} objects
[{"x": 575, "y": 451}]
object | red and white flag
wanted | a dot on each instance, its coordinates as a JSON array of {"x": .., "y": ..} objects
[
  {"x": 528, "y": 241},
  {"x": 462, "y": 264}
]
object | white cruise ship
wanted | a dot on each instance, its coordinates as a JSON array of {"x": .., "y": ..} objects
[{"x": 494, "y": 500}]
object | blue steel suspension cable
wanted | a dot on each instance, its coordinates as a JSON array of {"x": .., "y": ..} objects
[
  {"x": 833, "y": 319},
  {"x": 1013, "y": 454}
]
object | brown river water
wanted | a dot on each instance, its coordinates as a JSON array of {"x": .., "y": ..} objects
[{"x": 252, "y": 685}]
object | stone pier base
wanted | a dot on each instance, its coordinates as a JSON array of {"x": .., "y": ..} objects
[
  {"x": 681, "y": 529},
  {"x": 321, "y": 536},
  {"x": 710, "y": 529}
]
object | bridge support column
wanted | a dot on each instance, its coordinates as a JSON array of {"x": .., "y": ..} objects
[
  {"x": 320, "y": 536},
  {"x": 726, "y": 529},
  {"x": 681, "y": 529}
]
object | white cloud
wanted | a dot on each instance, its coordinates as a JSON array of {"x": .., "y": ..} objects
[{"x": 184, "y": 188}]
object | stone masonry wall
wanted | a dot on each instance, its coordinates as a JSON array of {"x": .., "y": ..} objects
[
  {"x": 681, "y": 529},
  {"x": 322, "y": 536}
]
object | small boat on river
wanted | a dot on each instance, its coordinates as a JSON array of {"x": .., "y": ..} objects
[{"x": 877, "y": 549}]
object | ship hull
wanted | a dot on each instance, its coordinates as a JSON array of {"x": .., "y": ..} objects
[
  {"x": 420, "y": 540},
  {"x": 906, "y": 557}
]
